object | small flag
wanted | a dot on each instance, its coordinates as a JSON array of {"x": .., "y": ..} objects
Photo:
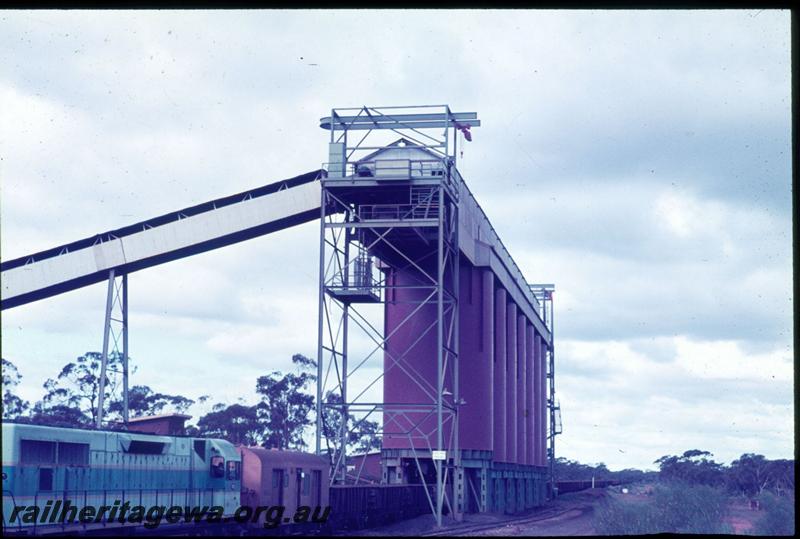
[{"x": 465, "y": 131}]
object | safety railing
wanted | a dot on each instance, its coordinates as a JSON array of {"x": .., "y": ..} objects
[
  {"x": 359, "y": 274},
  {"x": 397, "y": 212},
  {"x": 395, "y": 169}
]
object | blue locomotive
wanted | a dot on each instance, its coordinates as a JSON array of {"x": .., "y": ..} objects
[
  {"x": 65, "y": 479},
  {"x": 83, "y": 481}
]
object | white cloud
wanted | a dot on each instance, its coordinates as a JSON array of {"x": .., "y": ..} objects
[
  {"x": 627, "y": 409},
  {"x": 639, "y": 160},
  {"x": 724, "y": 360}
]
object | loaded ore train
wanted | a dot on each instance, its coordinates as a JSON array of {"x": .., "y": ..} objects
[{"x": 80, "y": 481}]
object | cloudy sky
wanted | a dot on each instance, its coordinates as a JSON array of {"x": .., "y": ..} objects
[{"x": 639, "y": 160}]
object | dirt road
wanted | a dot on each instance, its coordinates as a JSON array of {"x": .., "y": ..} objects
[{"x": 569, "y": 514}]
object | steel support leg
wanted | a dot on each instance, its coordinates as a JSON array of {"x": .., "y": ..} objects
[
  {"x": 345, "y": 411},
  {"x": 345, "y": 318},
  {"x": 320, "y": 350},
  {"x": 439, "y": 359},
  {"x": 125, "y": 411},
  {"x": 104, "y": 360}
]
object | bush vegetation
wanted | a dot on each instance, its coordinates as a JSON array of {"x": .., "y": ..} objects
[
  {"x": 675, "y": 507},
  {"x": 778, "y": 515}
]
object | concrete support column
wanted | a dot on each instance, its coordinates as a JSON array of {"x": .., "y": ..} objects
[
  {"x": 500, "y": 375},
  {"x": 460, "y": 494},
  {"x": 537, "y": 400},
  {"x": 485, "y": 489},
  {"x": 511, "y": 382},
  {"x": 522, "y": 393},
  {"x": 531, "y": 396},
  {"x": 531, "y": 486},
  {"x": 499, "y": 492},
  {"x": 487, "y": 351},
  {"x": 511, "y": 506},
  {"x": 475, "y": 361}
]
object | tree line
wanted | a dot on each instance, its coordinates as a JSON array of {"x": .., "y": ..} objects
[
  {"x": 279, "y": 419},
  {"x": 570, "y": 470},
  {"x": 750, "y": 475}
]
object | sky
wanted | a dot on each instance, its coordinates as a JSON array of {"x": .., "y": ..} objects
[{"x": 639, "y": 160}]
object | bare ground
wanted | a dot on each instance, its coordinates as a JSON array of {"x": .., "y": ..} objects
[{"x": 741, "y": 518}]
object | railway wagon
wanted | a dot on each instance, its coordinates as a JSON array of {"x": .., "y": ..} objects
[
  {"x": 287, "y": 479},
  {"x": 66, "y": 470},
  {"x": 366, "y": 506}
]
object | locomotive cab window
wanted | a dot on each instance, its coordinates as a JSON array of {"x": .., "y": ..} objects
[
  {"x": 217, "y": 466},
  {"x": 234, "y": 470},
  {"x": 37, "y": 452},
  {"x": 200, "y": 449}
]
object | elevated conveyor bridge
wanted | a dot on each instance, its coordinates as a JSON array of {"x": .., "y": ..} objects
[{"x": 211, "y": 225}]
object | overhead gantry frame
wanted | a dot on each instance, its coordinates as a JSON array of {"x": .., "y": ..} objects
[{"x": 353, "y": 233}]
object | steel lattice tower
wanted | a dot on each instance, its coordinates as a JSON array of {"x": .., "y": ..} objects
[{"x": 389, "y": 234}]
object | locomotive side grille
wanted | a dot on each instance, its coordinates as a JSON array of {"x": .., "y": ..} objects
[{"x": 73, "y": 454}]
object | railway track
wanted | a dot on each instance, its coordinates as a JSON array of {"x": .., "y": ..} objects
[{"x": 546, "y": 514}]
